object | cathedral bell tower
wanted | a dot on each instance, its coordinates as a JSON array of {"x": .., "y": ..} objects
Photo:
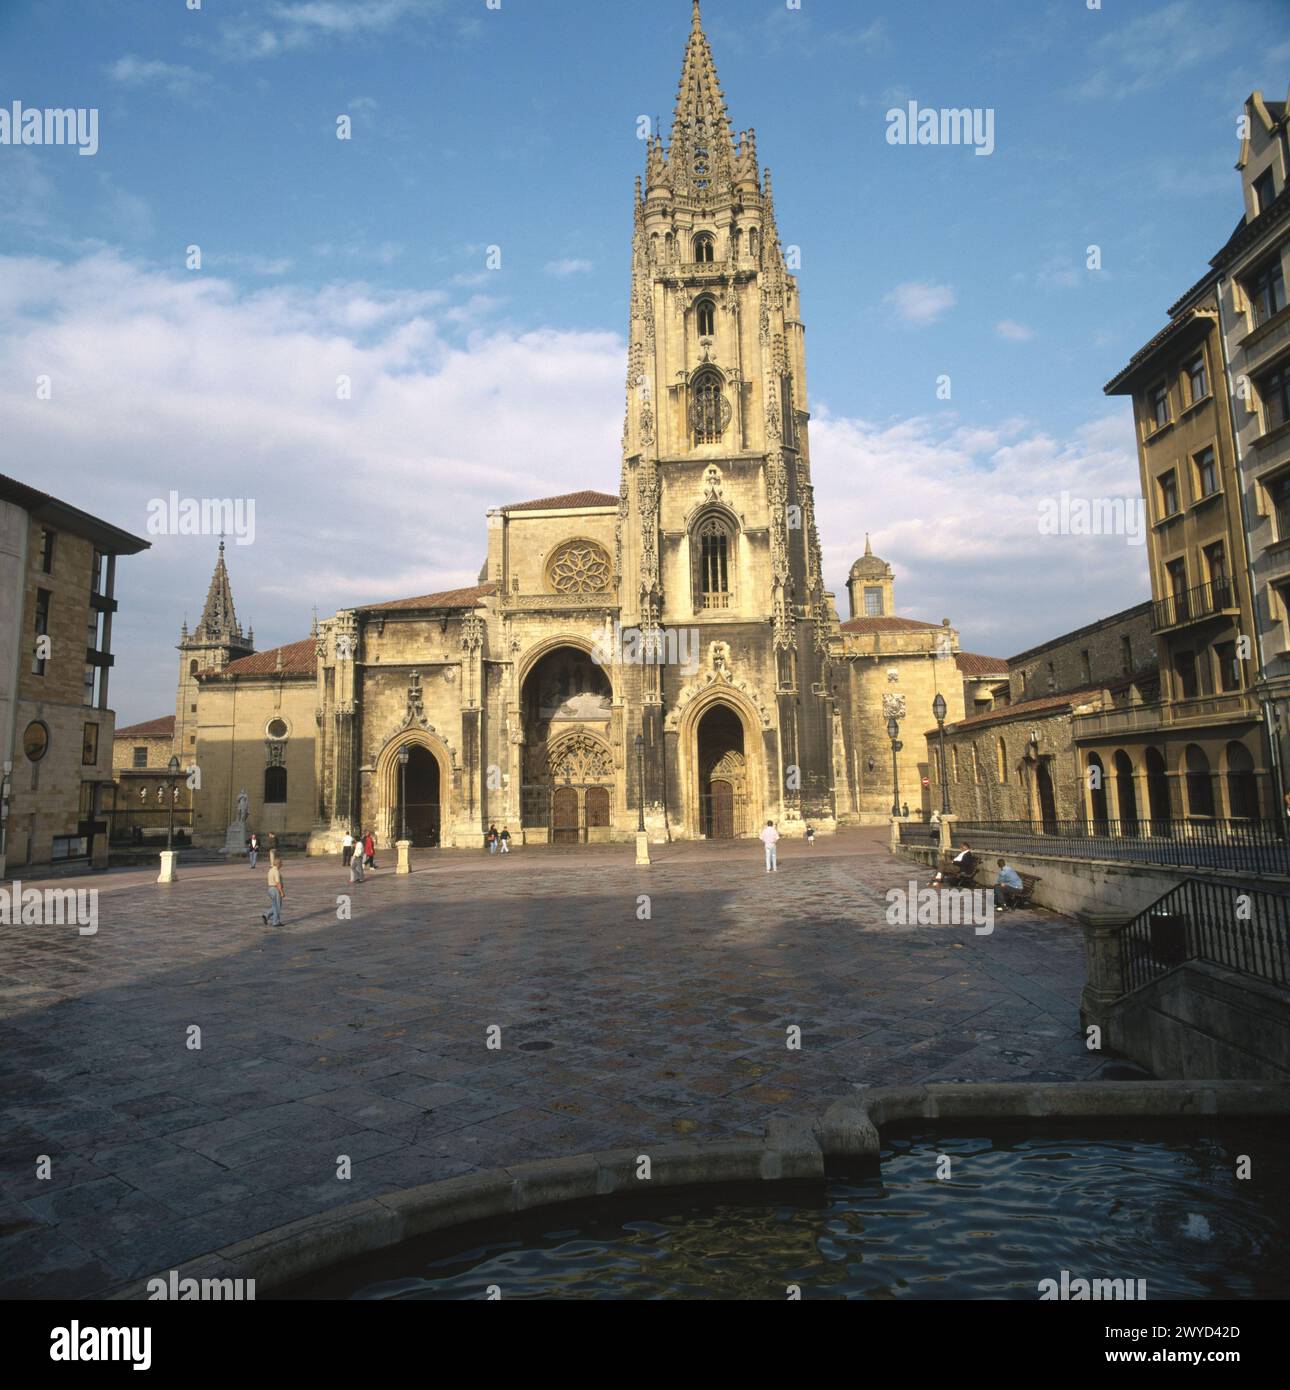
[
  {"x": 214, "y": 642},
  {"x": 717, "y": 526}
]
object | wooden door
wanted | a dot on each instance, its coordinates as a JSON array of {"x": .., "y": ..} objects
[
  {"x": 722, "y": 813},
  {"x": 597, "y": 807},
  {"x": 564, "y": 817}
]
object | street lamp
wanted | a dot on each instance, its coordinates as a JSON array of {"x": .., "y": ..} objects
[
  {"x": 939, "y": 710},
  {"x": 893, "y": 733},
  {"x": 174, "y": 776},
  {"x": 640, "y": 781},
  {"x": 403, "y": 790}
]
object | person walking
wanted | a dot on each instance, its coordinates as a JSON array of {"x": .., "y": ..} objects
[
  {"x": 504, "y": 840},
  {"x": 346, "y": 850},
  {"x": 770, "y": 838},
  {"x": 810, "y": 834},
  {"x": 273, "y": 918},
  {"x": 491, "y": 839},
  {"x": 253, "y": 849},
  {"x": 369, "y": 850},
  {"x": 356, "y": 864}
]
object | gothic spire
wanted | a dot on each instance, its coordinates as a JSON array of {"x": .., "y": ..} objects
[
  {"x": 219, "y": 619},
  {"x": 701, "y": 137}
]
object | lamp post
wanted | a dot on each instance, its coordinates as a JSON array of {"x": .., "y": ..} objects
[
  {"x": 640, "y": 782},
  {"x": 403, "y": 791},
  {"x": 939, "y": 710},
  {"x": 170, "y": 788},
  {"x": 893, "y": 733}
]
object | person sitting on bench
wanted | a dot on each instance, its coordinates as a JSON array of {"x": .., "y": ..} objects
[
  {"x": 961, "y": 869},
  {"x": 1008, "y": 886}
]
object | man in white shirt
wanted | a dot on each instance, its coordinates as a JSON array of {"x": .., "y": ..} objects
[{"x": 770, "y": 838}]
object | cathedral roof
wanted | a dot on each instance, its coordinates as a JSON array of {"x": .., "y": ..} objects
[
  {"x": 151, "y": 728},
  {"x": 973, "y": 664},
  {"x": 295, "y": 659},
  {"x": 869, "y": 566},
  {"x": 891, "y": 624},
  {"x": 450, "y": 598},
  {"x": 569, "y": 502}
]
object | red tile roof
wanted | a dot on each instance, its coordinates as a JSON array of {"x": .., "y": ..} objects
[
  {"x": 151, "y": 728},
  {"x": 450, "y": 598},
  {"x": 1049, "y": 704},
  {"x": 570, "y": 502},
  {"x": 862, "y": 625},
  {"x": 298, "y": 659},
  {"x": 973, "y": 664}
]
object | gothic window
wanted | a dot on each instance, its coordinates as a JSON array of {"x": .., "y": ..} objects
[
  {"x": 754, "y": 243},
  {"x": 275, "y": 786},
  {"x": 579, "y": 567},
  {"x": 705, "y": 248},
  {"x": 786, "y": 409},
  {"x": 714, "y": 547},
  {"x": 709, "y": 409},
  {"x": 707, "y": 318}
]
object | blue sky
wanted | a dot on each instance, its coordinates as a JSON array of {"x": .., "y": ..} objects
[{"x": 517, "y": 127}]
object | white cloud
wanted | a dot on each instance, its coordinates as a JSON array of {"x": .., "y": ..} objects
[
  {"x": 178, "y": 79},
  {"x": 1151, "y": 51},
  {"x": 919, "y": 303},
  {"x": 1013, "y": 331},
  {"x": 283, "y": 27},
  {"x": 562, "y": 270}
]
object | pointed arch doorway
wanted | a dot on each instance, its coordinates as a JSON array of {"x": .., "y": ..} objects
[{"x": 723, "y": 774}]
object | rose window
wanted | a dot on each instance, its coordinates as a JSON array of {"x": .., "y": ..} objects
[{"x": 580, "y": 567}]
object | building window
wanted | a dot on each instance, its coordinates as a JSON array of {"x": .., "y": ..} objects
[
  {"x": 1197, "y": 380},
  {"x": 1206, "y": 473},
  {"x": 1003, "y": 762},
  {"x": 1200, "y": 786},
  {"x": 46, "y": 550},
  {"x": 707, "y": 318},
  {"x": 35, "y": 741},
  {"x": 1158, "y": 403},
  {"x": 1168, "y": 493},
  {"x": 43, "y": 598},
  {"x": 709, "y": 409},
  {"x": 1086, "y": 668},
  {"x": 873, "y": 603},
  {"x": 1279, "y": 495},
  {"x": 1185, "y": 665},
  {"x": 1264, "y": 192},
  {"x": 1216, "y": 566},
  {"x": 714, "y": 563},
  {"x": 275, "y": 786},
  {"x": 1266, "y": 289},
  {"x": 1274, "y": 392},
  {"x": 89, "y": 747},
  {"x": 1229, "y": 667},
  {"x": 141, "y": 757},
  {"x": 1126, "y": 655},
  {"x": 705, "y": 248}
]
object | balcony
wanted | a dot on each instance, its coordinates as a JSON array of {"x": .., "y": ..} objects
[
  {"x": 1203, "y": 710},
  {"x": 1196, "y": 605}
]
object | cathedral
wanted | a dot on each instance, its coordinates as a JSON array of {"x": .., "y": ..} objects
[{"x": 668, "y": 651}]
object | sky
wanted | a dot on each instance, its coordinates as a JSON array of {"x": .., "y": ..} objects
[{"x": 515, "y": 124}]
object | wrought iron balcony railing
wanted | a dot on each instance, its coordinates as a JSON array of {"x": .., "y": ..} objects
[{"x": 1193, "y": 605}]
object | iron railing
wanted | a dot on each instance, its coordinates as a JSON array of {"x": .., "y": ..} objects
[
  {"x": 920, "y": 833},
  {"x": 1242, "y": 927},
  {"x": 1243, "y": 846},
  {"x": 1190, "y": 605}
]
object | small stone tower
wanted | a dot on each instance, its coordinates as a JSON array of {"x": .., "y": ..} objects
[
  {"x": 870, "y": 586},
  {"x": 216, "y": 640}
]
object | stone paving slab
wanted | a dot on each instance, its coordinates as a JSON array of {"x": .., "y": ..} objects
[{"x": 367, "y": 1037}]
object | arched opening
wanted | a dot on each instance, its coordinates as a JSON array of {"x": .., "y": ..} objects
[
  {"x": 420, "y": 800},
  {"x": 1200, "y": 785},
  {"x": 1047, "y": 798},
  {"x": 713, "y": 549},
  {"x": 598, "y": 808},
  {"x": 1001, "y": 752},
  {"x": 192, "y": 667},
  {"x": 1242, "y": 785},
  {"x": 1096, "y": 783},
  {"x": 709, "y": 409},
  {"x": 567, "y": 703},
  {"x": 1126, "y": 793},
  {"x": 1158, "y": 792},
  {"x": 706, "y": 318},
  {"x": 754, "y": 242},
  {"x": 723, "y": 774},
  {"x": 705, "y": 248},
  {"x": 275, "y": 786}
]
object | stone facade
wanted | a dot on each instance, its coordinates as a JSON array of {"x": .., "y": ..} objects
[
  {"x": 57, "y": 571},
  {"x": 665, "y": 651}
]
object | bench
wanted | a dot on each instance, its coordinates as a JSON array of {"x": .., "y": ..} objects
[{"x": 1029, "y": 882}]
